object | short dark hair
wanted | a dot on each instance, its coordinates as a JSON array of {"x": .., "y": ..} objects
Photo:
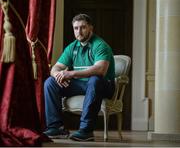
[{"x": 82, "y": 17}]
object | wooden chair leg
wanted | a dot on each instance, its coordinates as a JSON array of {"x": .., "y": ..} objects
[
  {"x": 106, "y": 119},
  {"x": 119, "y": 119}
]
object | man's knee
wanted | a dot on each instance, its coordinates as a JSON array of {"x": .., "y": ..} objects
[
  {"x": 96, "y": 83},
  {"x": 95, "y": 80},
  {"x": 48, "y": 82}
]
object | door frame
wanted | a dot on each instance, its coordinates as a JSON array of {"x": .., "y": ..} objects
[{"x": 139, "y": 102}]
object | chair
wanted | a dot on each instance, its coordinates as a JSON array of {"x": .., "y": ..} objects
[{"x": 109, "y": 106}]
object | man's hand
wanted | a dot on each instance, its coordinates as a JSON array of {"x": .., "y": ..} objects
[
  {"x": 63, "y": 77},
  {"x": 60, "y": 73}
]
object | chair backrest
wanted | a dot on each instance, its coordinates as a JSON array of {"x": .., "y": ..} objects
[{"x": 122, "y": 64}]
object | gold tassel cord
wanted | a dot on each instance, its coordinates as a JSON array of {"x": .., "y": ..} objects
[
  {"x": 9, "y": 45},
  {"x": 9, "y": 39},
  {"x": 21, "y": 21},
  {"x": 32, "y": 44}
]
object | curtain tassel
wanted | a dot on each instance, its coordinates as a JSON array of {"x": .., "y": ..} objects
[
  {"x": 8, "y": 54},
  {"x": 9, "y": 46},
  {"x": 33, "y": 56},
  {"x": 34, "y": 64}
]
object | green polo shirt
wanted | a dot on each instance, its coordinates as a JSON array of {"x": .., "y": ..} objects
[{"x": 78, "y": 57}]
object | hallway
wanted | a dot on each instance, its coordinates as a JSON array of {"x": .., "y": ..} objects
[{"x": 130, "y": 139}]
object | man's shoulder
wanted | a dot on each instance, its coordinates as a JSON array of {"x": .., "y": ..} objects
[
  {"x": 97, "y": 41},
  {"x": 71, "y": 46},
  {"x": 73, "y": 43}
]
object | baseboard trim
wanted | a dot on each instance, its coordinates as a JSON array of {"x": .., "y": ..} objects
[{"x": 163, "y": 136}]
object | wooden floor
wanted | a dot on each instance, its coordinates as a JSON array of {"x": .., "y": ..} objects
[{"x": 130, "y": 139}]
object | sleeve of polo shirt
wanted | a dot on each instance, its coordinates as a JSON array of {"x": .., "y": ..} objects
[
  {"x": 103, "y": 52},
  {"x": 65, "y": 57}
]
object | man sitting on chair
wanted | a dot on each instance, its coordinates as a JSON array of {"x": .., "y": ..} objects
[{"x": 86, "y": 67}]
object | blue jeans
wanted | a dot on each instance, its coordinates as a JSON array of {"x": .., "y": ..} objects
[{"x": 95, "y": 89}]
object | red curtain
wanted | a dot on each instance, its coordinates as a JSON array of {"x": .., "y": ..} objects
[{"x": 22, "y": 117}]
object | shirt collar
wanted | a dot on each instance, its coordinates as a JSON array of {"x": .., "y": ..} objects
[{"x": 88, "y": 43}]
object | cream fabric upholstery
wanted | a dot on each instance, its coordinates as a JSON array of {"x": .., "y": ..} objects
[{"x": 109, "y": 106}]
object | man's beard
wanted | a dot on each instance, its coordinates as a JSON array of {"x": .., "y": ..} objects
[{"x": 86, "y": 38}]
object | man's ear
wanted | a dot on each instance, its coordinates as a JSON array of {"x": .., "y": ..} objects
[{"x": 91, "y": 28}]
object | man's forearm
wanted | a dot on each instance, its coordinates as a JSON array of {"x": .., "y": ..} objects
[
  {"x": 61, "y": 72},
  {"x": 55, "y": 69},
  {"x": 100, "y": 68},
  {"x": 93, "y": 70}
]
